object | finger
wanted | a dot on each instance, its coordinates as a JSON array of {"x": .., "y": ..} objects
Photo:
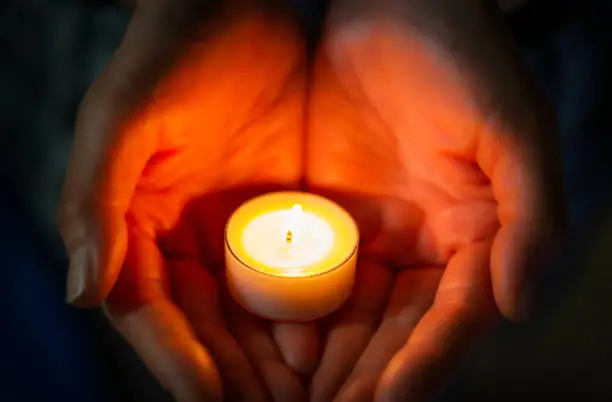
[
  {"x": 527, "y": 186},
  {"x": 140, "y": 308},
  {"x": 299, "y": 346},
  {"x": 114, "y": 139},
  {"x": 517, "y": 149},
  {"x": 253, "y": 335},
  {"x": 412, "y": 295},
  {"x": 462, "y": 308},
  {"x": 352, "y": 329},
  {"x": 195, "y": 292}
]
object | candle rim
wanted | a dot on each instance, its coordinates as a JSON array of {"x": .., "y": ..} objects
[
  {"x": 314, "y": 275},
  {"x": 336, "y": 266}
]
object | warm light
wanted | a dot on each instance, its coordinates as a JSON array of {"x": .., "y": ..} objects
[
  {"x": 291, "y": 256},
  {"x": 293, "y": 223},
  {"x": 286, "y": 242}
]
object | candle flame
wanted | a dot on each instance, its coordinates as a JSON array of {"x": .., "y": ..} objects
[{"x": 293, "y": 222}]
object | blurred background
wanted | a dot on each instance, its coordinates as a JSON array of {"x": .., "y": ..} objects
[{"x": 51, "y": 51}]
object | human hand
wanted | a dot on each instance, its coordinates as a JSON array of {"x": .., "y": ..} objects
[
  {"x": 200, "y": 109},
  {"x": 428, "y": 129}
]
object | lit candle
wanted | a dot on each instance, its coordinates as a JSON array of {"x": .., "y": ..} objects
[{"x": 291, "y": 256}]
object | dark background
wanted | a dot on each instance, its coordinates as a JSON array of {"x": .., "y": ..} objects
[{"x": 52, "y": 50}]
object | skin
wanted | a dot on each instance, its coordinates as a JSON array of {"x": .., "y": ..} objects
[{"x": 416, "y": 116}]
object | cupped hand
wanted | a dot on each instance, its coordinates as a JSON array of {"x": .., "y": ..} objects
[
  {"x": 425, "y": 125},
  {"x": 200, "y": 109},
  {"x": 422, "y": 123}
]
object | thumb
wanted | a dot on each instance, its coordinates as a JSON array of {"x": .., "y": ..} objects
[
  {"x": 299, "y": 346},
  {"x": 113, "y": 142}
]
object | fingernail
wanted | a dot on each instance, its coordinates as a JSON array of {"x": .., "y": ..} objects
[{"x": 77, "y": 275}]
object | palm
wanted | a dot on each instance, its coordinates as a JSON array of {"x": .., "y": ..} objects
[
  {"x": 398, "y": 148},
  {"x": 220, "y": 138}
]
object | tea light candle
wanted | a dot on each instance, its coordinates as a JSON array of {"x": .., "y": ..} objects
[{"x": 291, "y": 256}]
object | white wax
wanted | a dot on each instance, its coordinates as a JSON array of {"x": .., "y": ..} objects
[{"x": 265, "y": 239}]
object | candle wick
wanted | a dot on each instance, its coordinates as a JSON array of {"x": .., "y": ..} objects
[{"x": 289, "y": 236}]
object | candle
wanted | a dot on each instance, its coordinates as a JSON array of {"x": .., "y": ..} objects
[{"x": 290, "y": 256}]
